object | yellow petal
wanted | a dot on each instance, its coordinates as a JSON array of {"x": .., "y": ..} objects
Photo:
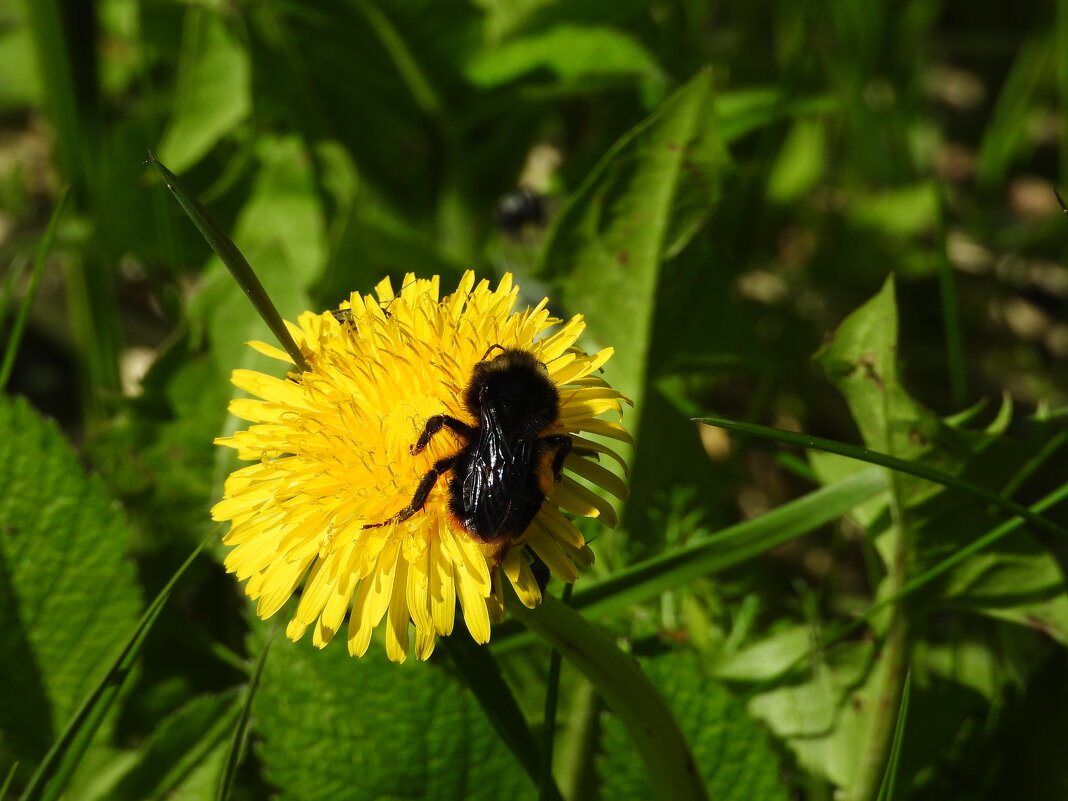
[{"x": 519, "y": 573}]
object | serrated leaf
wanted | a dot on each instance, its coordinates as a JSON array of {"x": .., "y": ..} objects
[
  {"x": 213, "y": 92},
  {"x": 733, "y": 752},
  {"x": 68, "y": 595},
  {"x": 642, "y": 200},
  {"x": 861, "y": 361},
  {"x": 335, "y": 727},
  {"x": 1015, "y": 579},
  {"x": 826, "y": 718},
  {"x": 482, "y": 675},
  {"x": 569, "y": 52}
]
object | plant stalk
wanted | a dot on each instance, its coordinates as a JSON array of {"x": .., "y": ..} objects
[{"x": 673, "y": 772}]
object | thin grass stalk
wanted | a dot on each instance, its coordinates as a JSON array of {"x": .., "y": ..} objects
[{"x": 14, "y": 339}]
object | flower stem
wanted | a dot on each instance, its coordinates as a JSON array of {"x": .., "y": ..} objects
[{"x": 672, "y": 770}]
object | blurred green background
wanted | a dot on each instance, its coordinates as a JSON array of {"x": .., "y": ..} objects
[{"x": 715, "y": 186}]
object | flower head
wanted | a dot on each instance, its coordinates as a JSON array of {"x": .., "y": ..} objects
[{"x": 322, "y": 507}]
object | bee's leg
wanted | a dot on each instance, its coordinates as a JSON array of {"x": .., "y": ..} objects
[
  {"x": 562, "y": 443},
  {"x": 435, "y": 424},
  {"x": 422, "y": 492}
]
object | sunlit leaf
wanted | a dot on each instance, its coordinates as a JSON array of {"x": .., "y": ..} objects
[
  {"x": 334, "y": 726},
  {"x": 68, "y": 596},
  {"x": 213, "y": 92}
]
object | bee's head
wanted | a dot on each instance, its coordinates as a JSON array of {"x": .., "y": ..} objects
[{"x": 513, "y": 390}]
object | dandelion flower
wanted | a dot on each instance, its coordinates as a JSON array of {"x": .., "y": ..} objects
[{"x": 334, "y": 464}]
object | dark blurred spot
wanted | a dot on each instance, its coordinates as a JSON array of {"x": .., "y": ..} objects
[{"x": 520, "y": 209}]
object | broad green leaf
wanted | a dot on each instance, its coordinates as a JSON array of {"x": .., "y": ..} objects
[
  {"x": 68, "y": 595},
  {"x": 643, "y": 199},
  {"x": 65, "y": 757},
  {"x": 825, "y": 719},
  {"x": 861, "y": 361},
  {"x": 569, "y": 52},
  {"x": 213, "y": 92},
  {"x": 733, "y": 752},
  {"x": 337, "y": 727},
  {"x": 767, "y": 658},
  {"x": 993, "y": 658},
  {"x": 483, "y": 676},
  {"x": 1015, "y": 579},
  {"x": 182, "y": 759}
]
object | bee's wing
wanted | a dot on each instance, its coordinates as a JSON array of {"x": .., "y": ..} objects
[
  {"x": 482, "y": 477},
  {"x": 496, "y": 478}
]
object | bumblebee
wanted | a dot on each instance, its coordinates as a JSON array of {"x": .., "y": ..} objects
[
  {"x": 494, "y": 479},
  {"x": 519, "y": 210}
]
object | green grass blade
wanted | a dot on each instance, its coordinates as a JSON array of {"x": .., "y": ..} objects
[
  {"x": 61, "y": 92},
  {"x": 972, "y": 548},
  {"x": 235, "y": 753},
  {"x": 239, "y": 267},
  {"x": 1061, "y": 62},
  {"x": 8, "y": 291},
  {"x": 1027, "y": 469},
  {"x": 54, "y": 772},
  {"x": 7, "y": 782},
  {"x": 413, "y": 75},
  {"x": 885, "y": 460},
  {"x": 837, "y": 632},
  {"x": 886, "y": 791},
  {"x": 645, "y": 580},
  {"x": 17, "y": 328},
  {"x": 478, "y": 668}
]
